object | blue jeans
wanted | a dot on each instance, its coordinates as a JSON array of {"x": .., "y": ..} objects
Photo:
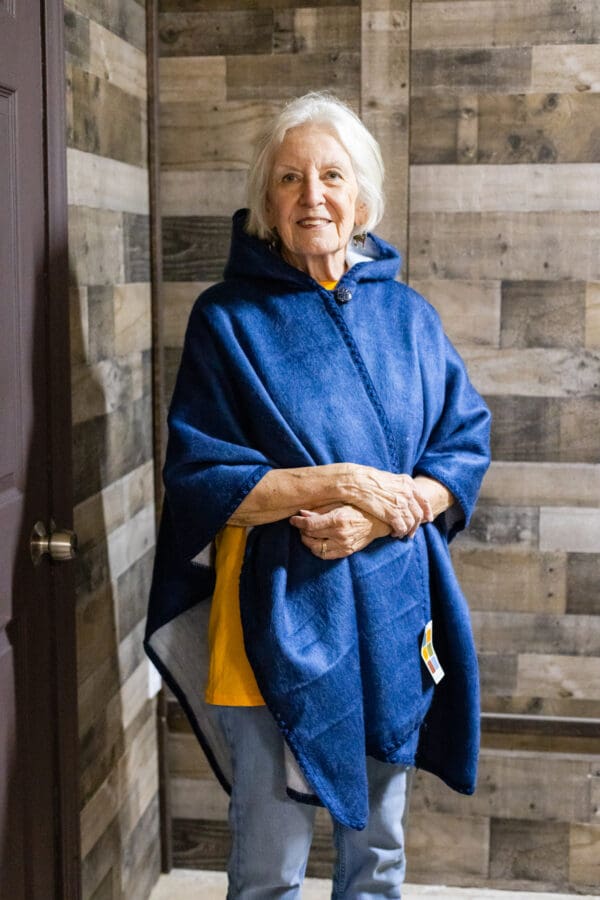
[{"x": 271, "y": 834}]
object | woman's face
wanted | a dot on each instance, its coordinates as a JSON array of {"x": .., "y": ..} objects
[{"x": 312, "y": 201}]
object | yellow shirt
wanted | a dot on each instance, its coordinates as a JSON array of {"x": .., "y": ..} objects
[{"x": 231, "y": 681}]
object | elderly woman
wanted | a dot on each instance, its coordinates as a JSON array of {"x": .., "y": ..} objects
[{"x": 326, "y": 442}]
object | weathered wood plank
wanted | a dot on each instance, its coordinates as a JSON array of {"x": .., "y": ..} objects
[
  {"x": 538, "y": 632},
  {"x": 592, "y": 315},
  {"x": 530, "y": 246},
  {"x": 487, "y": 70},
  {"x": 316, "y": 29},
  {"x": 543, "y": 128},
  {"x": 206, "y": 192},
  {"x": 138, "y": 764},
  {"x": 105, "y": 183},
  {"x": 515, "y": 786},
  {"x": 187, "y": 759},
  {"x": 498, "y": 23},
  {"x": 106, "y": 448},
  {"x": 215, "y": 33},
  {"x": 584, "y": 855},
  {"x": 532, "y": 851},
  {"x": 136, "y": 247},
  {"x": 461, "y": 846},
  {"x": 77, "y": 38},
  {"x": 105, "y": 386},
  {"x": 96, "y": 246},
  {"x": 543, "y": 314},
  {"x": 529, "y": 429},
  {"x": 574, "y": 529},
  {"x": 583, "y": 583},
  {"x": 516, "y": 188},
  {"x": 131, "y": 594},
  {"x": 564, "y": 69},
  {"x": 470, "y": 310},
  {"x": 512, "y": 579},
  {"x": 286, "y": 75},
  {"x": 119, "y": 62},
  {"x": 501, "y": 525},
  {"x": 126, "y": 18},
  {"x": 178, "y": 298},
  {"x": 132, "y": 320},
  {"x": 218, "y": 5},
  {"x": 542, "y": 484},
  {"x": 192, "y": 79},
  {"x": 193, "y": 798},
  {"x": 533, "y": 704},
  {"x": 195, "y": 247},
  {"x": 534, "y": 371},
  {"x": 497, "y": 674},
  {"x": 504, "y": 128},
  {"x": 540, "y": 675},
  {"x": 104, "y": 120},
  {"x": 211, "y": 135}
]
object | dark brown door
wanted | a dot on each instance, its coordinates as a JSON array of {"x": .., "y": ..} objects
[{"x": 38, "y": 808}]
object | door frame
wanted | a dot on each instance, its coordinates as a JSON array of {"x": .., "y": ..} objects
[{"x": 67, "y": 835}]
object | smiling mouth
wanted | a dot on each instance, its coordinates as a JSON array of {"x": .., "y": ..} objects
[{"x": 313, "y": 222}]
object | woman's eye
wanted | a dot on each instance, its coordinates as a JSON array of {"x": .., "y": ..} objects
[
  {"x": 334, "y": 176},
  {"x": 289, "y": 177}
]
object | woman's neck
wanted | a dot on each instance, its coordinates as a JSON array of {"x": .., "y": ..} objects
[{"x": 329, "y": 267}]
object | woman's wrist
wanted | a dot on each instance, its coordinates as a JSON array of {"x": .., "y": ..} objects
[{"x": 440, "y": 498}]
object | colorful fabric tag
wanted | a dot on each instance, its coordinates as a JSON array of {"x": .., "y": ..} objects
[{"x": 429, "y": 655}]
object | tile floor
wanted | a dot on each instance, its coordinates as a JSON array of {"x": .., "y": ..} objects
[{"x": 183, "y": 884}]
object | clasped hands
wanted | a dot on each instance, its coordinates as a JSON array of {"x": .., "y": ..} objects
[{"x": 385, "y": 503}]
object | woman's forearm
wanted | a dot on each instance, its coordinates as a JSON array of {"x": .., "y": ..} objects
[
  {"x": 440, "y": 498},
  {"x": 282, "y": 492}
]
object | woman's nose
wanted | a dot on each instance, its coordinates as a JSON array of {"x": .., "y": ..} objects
[{"x": 312, "y": 191}]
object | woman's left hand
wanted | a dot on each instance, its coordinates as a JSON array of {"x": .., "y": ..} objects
[{"x": 337, "y": 531}]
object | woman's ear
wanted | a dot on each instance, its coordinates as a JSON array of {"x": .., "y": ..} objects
[{"x": 360, "y": 215}]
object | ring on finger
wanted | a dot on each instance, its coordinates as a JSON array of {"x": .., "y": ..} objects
[{"x": 323, "y": 548}]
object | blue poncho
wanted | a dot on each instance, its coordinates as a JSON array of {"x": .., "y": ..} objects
[{"x": 276, "y": 373}]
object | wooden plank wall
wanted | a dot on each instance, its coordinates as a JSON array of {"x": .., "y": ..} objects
[
  {"x": 500, "y": 226},
  {"x": 505, "y": 241},
  {"x": 112, "y": 443}
]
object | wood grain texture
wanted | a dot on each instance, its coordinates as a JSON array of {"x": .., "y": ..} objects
[
  {"x": 204, "y": 192},
  {"x": 461, "y": 846},
  {"x": 511, "y": 580},
  {"x": 521, "y": 850},
  {"x": 592, "y": 315},
  {"x": 584, "y": 855},
  {"x": 195, "y": 247},
  {"x": 105, "y": 120},
  {"x": 179, "y": 297},
  {"x": 117, "y": 61},
  {"x": 529, "y": 246},
  {"x": 216, "y": 33},
  {"x": 516, "y": 188},
  {"x": 126, "y": 18},
  {"x": 287, "y": 75},
  {"x": 192, "y": 79},
  {"x": 196, "y": 135},
  {"x": 542, "y": 484},
  {"x": 543, "y": 314},
  {"x": 316, "y": 29},
  {"x": 583, "y": 583},
  {"x": 514, "y": 785},
  {"x": 566, "y": 69},
  {"x": 574, "y": 529},
  {"x": 502, "y": 23},
  {"x": 487, "y": 70},
  {"x": 104, "y": 183},
  {"x": 558, "y": 676},
  {"x": 470, "y": 310},
  {"x": 537, "y": 632}
]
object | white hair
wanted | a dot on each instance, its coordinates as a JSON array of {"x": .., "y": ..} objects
[{"x": 318, "y": 107}]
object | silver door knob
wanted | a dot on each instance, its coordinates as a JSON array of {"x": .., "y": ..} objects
[{"x": 59, "y": 545}]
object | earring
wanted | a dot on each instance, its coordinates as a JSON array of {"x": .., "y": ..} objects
[{"x": 359, "y": 239}]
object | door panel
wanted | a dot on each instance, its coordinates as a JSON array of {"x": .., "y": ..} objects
[{"x": 32, "y": 764}]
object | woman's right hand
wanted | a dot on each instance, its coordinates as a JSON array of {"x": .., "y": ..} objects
[{"x": 394, "y": 498}]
